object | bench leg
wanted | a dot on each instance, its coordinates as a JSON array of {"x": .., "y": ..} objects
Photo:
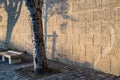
[
  {"x": 10, "y": 61},
  {"x": 3, "y": 58}
]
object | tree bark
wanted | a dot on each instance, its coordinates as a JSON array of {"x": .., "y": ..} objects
[{"x": 39, "y": 56}]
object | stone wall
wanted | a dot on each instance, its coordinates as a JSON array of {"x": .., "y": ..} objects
[
  {"x": 88, "y": 34},
  {"x": 15, "y": 23}
]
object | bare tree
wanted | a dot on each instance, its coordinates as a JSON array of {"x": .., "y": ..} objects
[
  {"x": 35, "y": 7},
  {"x": 39, "y": 56}
]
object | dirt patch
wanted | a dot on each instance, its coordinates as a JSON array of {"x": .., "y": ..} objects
[
  {"x": 29, "y": 72},
  {"x": 54, "y": 68},
  {"x": 61, "y": 71}
]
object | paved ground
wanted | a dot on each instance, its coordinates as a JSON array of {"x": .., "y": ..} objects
[{"x": 7, "y": 72}]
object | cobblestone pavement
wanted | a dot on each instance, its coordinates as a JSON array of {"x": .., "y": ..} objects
[
  {"x": 80, "y": 75},
  {"x": 7, "y": 72}
]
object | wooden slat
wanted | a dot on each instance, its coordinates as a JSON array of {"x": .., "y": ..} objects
[
  {"x": 11, "y": 55},
  {"x": 1, "y": 53}
]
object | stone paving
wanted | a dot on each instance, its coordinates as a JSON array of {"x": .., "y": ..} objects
[
  {"x": 80, "y": 75},
  {"x": 7, "y": 72}
]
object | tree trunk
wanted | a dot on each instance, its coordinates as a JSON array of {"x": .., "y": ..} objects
[{"x": 39, "y": 56}]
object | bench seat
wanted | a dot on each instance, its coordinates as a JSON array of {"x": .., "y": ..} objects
[{"x": 13, "y": 56}]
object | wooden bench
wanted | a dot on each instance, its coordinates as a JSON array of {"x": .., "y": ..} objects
[{"x": 13, "y": 56}]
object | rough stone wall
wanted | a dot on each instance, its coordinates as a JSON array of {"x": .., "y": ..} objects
[
  {"x": 88, "y": 34},
  {"x": 21, "y": 33}
]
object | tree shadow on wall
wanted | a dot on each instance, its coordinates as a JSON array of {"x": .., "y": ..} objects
[
  {"x": 60, "y": 7},
  {"x": 13, "y": 9},
  {"x": 57, "y": 7}
]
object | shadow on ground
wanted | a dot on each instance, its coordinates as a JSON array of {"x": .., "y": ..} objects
[{"x": 61, "y": 71}]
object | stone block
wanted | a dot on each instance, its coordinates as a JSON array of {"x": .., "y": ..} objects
[
  {"x": 97, "y": 40},
  {"x": 116, "y": 27},
  {"x": 115, "y": 66},
  {"x": 90, "y": 4},
  {"x": 115, "y": 14},
  {"x": 98, "y": 4},
  {"x": 103, "y": 65},
  {"x": 106, "y": 28},
  {"x": 110, "y": 3},
  {"x": 105, "y": 40},
  {"x": 82, "y": 17},
  {"x": 102, "y": 14},
  {"x": 89, "y": 16},
  {"x": 89, "y": 39},
  {"x": 93, "y": 52},
  {"x": 82, "y": 39},
  {"x": 81, "y": 28},
  {"x": 61, "y": 39},
  {"x": 78, "y": 6}
]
